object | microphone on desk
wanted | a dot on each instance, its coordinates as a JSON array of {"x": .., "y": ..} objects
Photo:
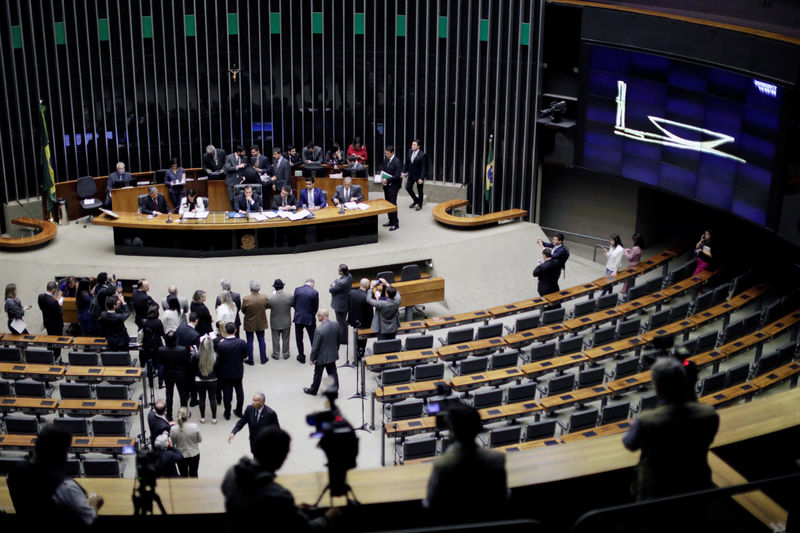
[{"x": 169, "y": 214}]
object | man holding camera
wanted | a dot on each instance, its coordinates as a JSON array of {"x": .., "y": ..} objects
[{"x": 386, "y": 301}]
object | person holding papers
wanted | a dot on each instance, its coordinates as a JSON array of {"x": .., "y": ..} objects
[
  {"x": 285, "y": 201},
  {"x": 348, "y": 192},
  {"x": 191, "y": 203},
  {"x": 248, "y": 201},
  {"x": 311, "y": 197},
  {"x": 175, "y": 179},
  {"x": 391, "y": 181}
]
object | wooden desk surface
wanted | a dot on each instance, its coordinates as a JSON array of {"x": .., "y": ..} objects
[
  {"x": 454, "y": 320},
  {"x": 779, "y": 326},
  {"x": 98, "y": 406},
  {"x": 491, "y": 377},
  {"x": 405, "y": 327},
  {"x": 420, "y": 291},
  {"x": 559, "y": 401},
  {"x": 536, "y": 368},
  {"x": 523, "y": 306},
  {"x": 44, "y": 405},
  {"x": 730, "y": 394},
  {"x": 521, "y": 338},
  {"x": 22, "y": 369},
  {"x": 777, "y": 375},
  {"x": 592, "y": 319},
  {"x": 94, "y": 373},
  {"x": 95, "y": 342},
  {"x": 628, "y": 382},
  {"x": 571, "y": 293},
  {"x": 599, "y": 431},
  {"x": 407, "y": 390},
  {"x": 121, "y": 373},
  {"x": 614, "y": 348},
  {"x": 376, "y": 363},
  {"x": 463, "y": 349},
  {"x": 17, "y": 339},
  {"x": 510, "y": 411},
  {"x": 529, "y": 445},
  {"x": 46, "y": 234}
]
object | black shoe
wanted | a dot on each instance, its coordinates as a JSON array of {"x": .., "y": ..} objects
[
  {"x": 309, "y": 391},
  {"x": 248, "y": 362},
  {"x": 301, "y": 359},
  {"x": 387, "y": 224},
  {"x": 194, "y": 403},
  {"x": 412, "y": 205},
  {"x": 161, "y": 385},
  {"x": 238, "y": 413},
  {"x": 285, "y": 356},
  {"x": 419, "y": 208},
  {"x": 227, "y": 416},
  {"x": 275, "y": 357},
  {"x": 396, "y": 226}
]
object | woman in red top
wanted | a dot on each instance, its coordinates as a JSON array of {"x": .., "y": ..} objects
[{"x": 357, "y": 149}]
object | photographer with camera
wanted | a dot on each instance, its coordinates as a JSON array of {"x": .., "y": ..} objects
[
  {"x": 386, "y": 301},
  {"x": 253, "y": 497}
]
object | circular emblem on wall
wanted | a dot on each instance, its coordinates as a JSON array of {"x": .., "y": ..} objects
[{"x": 248, "y": 242}]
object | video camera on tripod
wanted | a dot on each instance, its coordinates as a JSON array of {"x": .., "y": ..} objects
[{"x": 145, "y": 492}]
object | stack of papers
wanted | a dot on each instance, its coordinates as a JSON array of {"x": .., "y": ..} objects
[
  {"x": 355, "y": 206},
  {"x": 382, "y": 176},
  {"x": 300, "y": 214},
  {"x": 195, "y": 214}
]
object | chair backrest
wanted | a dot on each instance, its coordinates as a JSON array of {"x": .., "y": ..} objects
[
  {"x": 74, "y": 390},
  {"x": 505, "y": 435},
  {"x": 679, "y": 312},
  {"x": 712, "y": 383},
  {"x": 106, "y": 426},
  {"x": 614, "y": 412},
  {"x": 787, "y": 352},
  {"x": 417, "y": 449},
  {"x": 490, "y": 330},
  {"x": 309, "y": 171},
  {"x": 591, "y": 377},
  {"x": 659, "y": 318},
  {"x": 10, "y": 354},
  {"x": 429, "y": 372},
  {"x": 8, "y": 464},
  {"x": 655, "y": 284},
  {"x": 560, "y": 384},
  {"x": 527, "y": 322},
  {"x": 30, "y": 388},
  {"x": 5, "y": 387},
  {"x": 543, "y": 350},
  {"x": 396, "y": 375},
  {"x": 737, "y": 374},
  {"x": 41, "y": 356},
  {"x": 115, "y": 358},
  {"x": 638, "y": 291},
  {"x": 488, "y": 398},
  {"x": 762, "y": 366},
  {"x": 454, "y": 336},
  {"x": 387, "y": 346},
  {"x": 721, "y": 294},
  {"x": 628, "y": 328},
  {"x": 112, "y": 391},
  {"x": 647, "y": 401},
  {"x": 357, "y": 173},
  {"x": 571, "y": 344},
  {"x": 72, "y": 467},
  {"x": 732, "y": 331},
  {"x": 751, "y": 322},
  {"x": 603, "y": 335},
  {"x": 159, "y": 175},
  {"x": 419, "y": 342},
  {"x": 584, "y": 308},
  {"x": 551, "y": 316},
  {"x": 687, "y": 346},
  {"x": 580, "y": 420},
  {"x": 626, "y": 367},
  {"x": 410, "y": 272},
  {"x": 140, "y": 200},
  {"x": 681, "y": 272},
  {"x": 410, "y": 408},
  {"x": 83, "y": 358},
  {"x": 707, "y": 341},
  {"x": 101, "y": 468},
  {"x": 76, "y": 426},
  {"x": 521, "y": 393},
  {"x": 472, "y": 365},
  {"x": 504, "y": 359},
  {"x": 22, "y": 424},
  {"x": 388, "y": 275},
  {"x": 239, "y": 188},
  {"x": 772, "y": 313},
  {"x": 742, "y": 282},
  {"x": 606, "y": 301},
  {"x": 702, "y": 302},
  {"x": 86, "y": 187},
  {"x": 540, "y": 430}
]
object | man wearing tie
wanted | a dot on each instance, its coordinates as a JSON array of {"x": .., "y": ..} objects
[
  {"x": 256, "y": 416},
  {"x": 348, "y": 192},
  {"x": 213, "y": 160},
  {"x": 283, "y": 171},
  {"x": 285, "y": 201},
  {"x": 248, "y": 202},
  {"x": 117, "y": 179},
  {"x": 312, "y": 197},
  {"x": 391, "y": 184},
  {"x": 415, "y": 170},
  {"x": 234, "y": 164},
  {"x": 154, "y": 203}
]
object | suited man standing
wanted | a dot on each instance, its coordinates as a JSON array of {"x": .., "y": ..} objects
[
  {"x": 231, "y": 355},
  {"x": 282, "y": 176},
  {"x": 360, "y": 312},
  {"x": 254, "y": 308},
  {"x": 280, "y": 319},
  {"x": 547, "y": 271},
  {"x": 415, "y": 170},
  {"x": 256, "y": 417},
  {"x": 312, "y": 154},
  {"x": 52, "y": 314},
  {"x": 560, "y": 252},
  {"x": 117, "y": 179},
  {"x": 177, "y": 365},
  {"x": 157, "y": 421},
  {"x": 154, "y": 203},
  {"x": 141, "y": 302},
  {"x": 324, "y": 352},
  {"x": 386, "y": 320},
  {"x": 348, "y": 192},
  {"x": 213, "y": 160},
  {"x": 391, "y": 184},
  {"x": 225, "y": 283},
  {"x": 340, "y": 299},
  {"x": 306, "y": 303},
  {"x": 234, "y": 165},
  {"x": 112, "y": 320}
]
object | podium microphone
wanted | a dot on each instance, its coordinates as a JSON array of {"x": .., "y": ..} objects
[{"x": 169, "y": 214}]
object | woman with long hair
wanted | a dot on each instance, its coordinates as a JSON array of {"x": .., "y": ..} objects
[
  {"x": 15, "y": 310},
  {"x": 186, "y": 437},
  {"x": 226, "y": 310},
  {"x": 173, "y": 314},
  {"x": 203, "y": 314},
  {"x": 633, "y": 255},
  {"x": 614, "y": 254},
  {"x": 205, "y": 378}
]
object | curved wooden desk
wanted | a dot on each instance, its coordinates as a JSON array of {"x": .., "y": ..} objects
[
  {"x": 218, "y": 236},
  {"x": 46, "y": 234},
  {"x": 442, "y": 214}
]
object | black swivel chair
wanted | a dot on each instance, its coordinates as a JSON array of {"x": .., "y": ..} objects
[
  {"x": 239, "y": 189},
  {"x": 388, "y": 275},
  {"x": 87, "y": 188},
  {"x": 160, "y": 175}
]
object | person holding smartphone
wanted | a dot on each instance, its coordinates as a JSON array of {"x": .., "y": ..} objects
[{"x": 703, "y": 251}]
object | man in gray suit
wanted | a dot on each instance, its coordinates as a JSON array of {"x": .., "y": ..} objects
[
  {"x": 348, "y": 192},
  {"x": 387, "y": 310},
  {"x": 312, "y": 154},
  {"x": 280, "y": 319},
  {"x": 234, "y": 164},
  {"x": 340, "y": 299},
  {"x": 324, "y": 352},
  {"x": 283, "y": 171}
]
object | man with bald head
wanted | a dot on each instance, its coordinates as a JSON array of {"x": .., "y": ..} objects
[
  {"x": 324, "y": 352},
  {"x": 141, "y": 302},
  {"x": 183, "y": 302},
  {"x": 256, "y": 416}
]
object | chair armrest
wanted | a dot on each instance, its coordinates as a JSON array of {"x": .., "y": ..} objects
[
  {"x": 508, "y": 329},
  {"x": 441, "y": 341}
]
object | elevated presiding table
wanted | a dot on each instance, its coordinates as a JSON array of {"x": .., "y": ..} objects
[{"x": 219, "y": 236}]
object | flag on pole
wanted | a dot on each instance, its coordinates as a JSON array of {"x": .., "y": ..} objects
[
  {"x": 48, "y": 175},
  {"x": 489, "y": 172}
]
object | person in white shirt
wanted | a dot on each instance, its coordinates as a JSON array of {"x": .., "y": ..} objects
[
  {"x": 226, "y": 310},
  {"x": 173, "y": 316},
  {"x": 614, "y": 254},
  {"x": 191, "y": 203}
]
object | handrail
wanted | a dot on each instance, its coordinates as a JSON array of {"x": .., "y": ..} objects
[{"x": 556, "y": 230}]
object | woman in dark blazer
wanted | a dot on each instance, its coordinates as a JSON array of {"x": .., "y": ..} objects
[
  {"x": 175, "y": 180},
  {"x": 204, "y": 320}
]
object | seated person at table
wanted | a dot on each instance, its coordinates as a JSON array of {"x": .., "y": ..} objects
[
  {"x": 353, "y": 163},
  {"x": 191, "y": 203},
  {"x": 285, "y": 201},
  {"x": 312, "y": 154},
  {"x": 261, "y": 162},
  {"x": 117, "y": 179},
  {"x": 312, "y": 197},
  {"x": 250, "y": 173},
  {"x": 292, "y": 155},
  {"x": 154, "y": 204},
  {"x": 357, "y": 149},
  {"x": 348, "y": 192},
  {"x": 213, "y": 160},
  {"x": 248, "y": 201},
  {"x": 175, "y": 179},
  {"x": 334, "y": 156}
]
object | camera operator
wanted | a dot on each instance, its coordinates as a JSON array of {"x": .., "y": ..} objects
[
  {"x": 386, "y": 301},
  {"x": 253, "y": 496}
]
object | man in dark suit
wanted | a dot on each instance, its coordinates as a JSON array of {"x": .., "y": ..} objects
[
  {"x": 312, "y": 154},
  {"x": 283, "y": 171},
  {"x": 141, "y": 302},
  {"x": 248, "y": 202},
  {"x": 52, "y": 314},
  {"x": 256, "y": 416},
  {"x": 386, "y": 320},
  {"x": 157, "y": 420},
  {"x": 311, "y": 197},
  {"x": 154, "y": 203},
  {"x": 225, "y": 284},
  {"x": 112, "y": 320},
  {"x": 391, "y": 181},
  {"x": 340, "y": 299},
  {"x": 348, "y": 192},
  {"x": 234, "y": 164},
  {"x": 285, "y": 201},
  {"x": 359, "y": 314},
  {"x": 250, "y": 173},
  {"x": 177, "y": 365},
  {"x": 306, "y": 303},
  {"x": 260, "y": 161},
  {"x": 117, "y": 179},
  {"x": 324, "y": 352},
  {"x": 189, "y": 337},
  {"x": 415, "y": 170},
  {"x": 213, "y": 160},
  {"x": 547, "y": 271},
  {"x": 231, "y": 354},
  {"x": 560, "y": 252},
  {"x": 292, "y": 155}
]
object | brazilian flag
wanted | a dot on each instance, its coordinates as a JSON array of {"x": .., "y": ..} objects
[
  {"x": 489, "y": 172},
  {"x": 48, "y": 175}
]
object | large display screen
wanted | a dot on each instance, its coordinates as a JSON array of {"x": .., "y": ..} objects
[{"x": 698, "y": 131}]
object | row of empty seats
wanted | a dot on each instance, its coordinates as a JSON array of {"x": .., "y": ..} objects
[
  {"x": 98, "y": 426},
  {"x": 37, "y": 355},
  {"x": 75, "y": 466},
  {"x": 37, "y": 389}
]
